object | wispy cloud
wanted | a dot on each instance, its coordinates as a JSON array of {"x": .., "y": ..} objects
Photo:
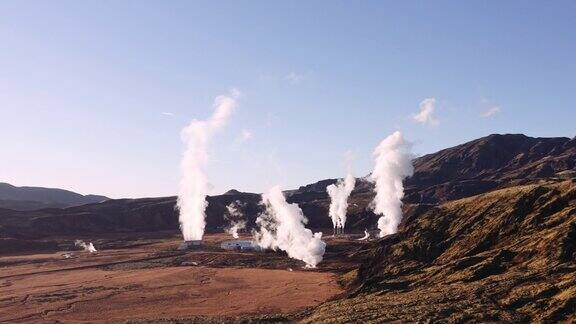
[
  {"x": 293, "y": 78},
  {"x": 165, "y": 113},
  {"x": 426, "y": 114},
  {"x": 491, "y": 112},
  {"x": 245, "y": 135},
  {"x": 290, "y": 77},
  {"x": 490, "y": 109}
]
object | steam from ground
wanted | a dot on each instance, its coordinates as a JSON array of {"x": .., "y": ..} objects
[
  {"x": 282, "y": 227},
  {"x": 365, "y": 237},
  {"x": 87, "y": 247},
  {"x": 393, "y": 163},
  {"x": 194, "y": 183},
  {"x": 339, "y": 194},
  {"x": 234, "y": 216}
]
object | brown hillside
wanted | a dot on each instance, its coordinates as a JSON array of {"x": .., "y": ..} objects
[{"x": 508, "y": 255}]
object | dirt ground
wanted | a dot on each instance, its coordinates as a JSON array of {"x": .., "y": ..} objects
[{"x": 154, "y": 280}]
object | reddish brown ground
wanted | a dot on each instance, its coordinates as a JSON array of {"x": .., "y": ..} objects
[{"x": 47, "y": 287}]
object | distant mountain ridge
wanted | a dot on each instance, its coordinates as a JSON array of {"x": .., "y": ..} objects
[
  {"x": 488, "y": 163},
  {"x": 31, "y": 198},
  {"x": 475, "y": 167}
]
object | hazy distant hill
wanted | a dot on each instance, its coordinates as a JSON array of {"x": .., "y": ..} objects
[{"x": 31, "y": 198}]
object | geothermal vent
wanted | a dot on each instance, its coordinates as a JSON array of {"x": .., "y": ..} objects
[{"x": 188, "y": 245}]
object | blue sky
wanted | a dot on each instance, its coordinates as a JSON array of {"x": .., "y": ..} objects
[{"x": 85, "y": 86}]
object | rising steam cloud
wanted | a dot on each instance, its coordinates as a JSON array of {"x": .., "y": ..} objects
[
  {"x": 87, "y": 247},
  {"x": 194, "y": 183},
  {"x": 339, "y": 194},
  {"x": 235, "y": 217},
  {"x": 365, "y": 237},
  {"x": 282, "y": 227},
  {"x": 393, "y": 163}
]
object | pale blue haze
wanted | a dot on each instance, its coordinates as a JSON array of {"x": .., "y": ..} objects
[{"x": 84, "y": 84}]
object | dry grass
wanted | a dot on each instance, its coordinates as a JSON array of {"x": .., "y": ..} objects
[{"x": 508, "y": 255}]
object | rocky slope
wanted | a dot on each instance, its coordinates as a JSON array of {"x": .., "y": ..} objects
[
  {"x": 504, "y": 256},
  {"x": 488, "y": 163}
]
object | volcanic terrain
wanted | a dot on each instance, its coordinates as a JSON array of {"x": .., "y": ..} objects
[{"x": 489, "y": 235}]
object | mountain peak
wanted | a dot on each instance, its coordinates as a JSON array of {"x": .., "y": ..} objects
[{"x": 490, "y": 161}]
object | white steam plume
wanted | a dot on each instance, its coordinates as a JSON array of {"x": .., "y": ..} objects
[
  {"x": 393, "y": 163},
  {"x": 194, "y": 183},
  {"x": 365, "y": 237},
  {"x": 87, "y": 247},
  {"x": 282, "y": 227},
  {"x": 233, "y": 230},
  {"x": 235, "y": 217},
  {"x": 339, "y": 194}
]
